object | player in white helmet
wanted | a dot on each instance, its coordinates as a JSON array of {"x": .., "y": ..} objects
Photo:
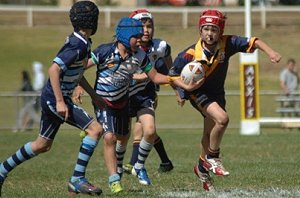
[
  {"x": 143, "y": 97},
  {"x": 116, "y": 63}
]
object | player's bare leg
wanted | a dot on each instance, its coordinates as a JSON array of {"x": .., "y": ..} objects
[
  {"x": 114, "y": 179},
  {"x": 216, "y": 121}
]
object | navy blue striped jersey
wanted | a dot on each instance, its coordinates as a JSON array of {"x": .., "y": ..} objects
[
  {"x": 216, "y": 70},
  {"x": 114, "y": 74},
  {"x": 72, "y": 59},
  {"x": 157, "y": 52}
]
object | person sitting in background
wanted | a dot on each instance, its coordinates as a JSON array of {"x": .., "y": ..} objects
[{"x": 289, "y": 82}]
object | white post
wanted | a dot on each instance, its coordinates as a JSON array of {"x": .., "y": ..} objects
[
  {"x": 249, "y": 84},
  {"x": 107, "y": 13},
  {"x": 185, "y": 18},
  {"x": 263, "y": 17},
  {"x": 29, "y": 17}
]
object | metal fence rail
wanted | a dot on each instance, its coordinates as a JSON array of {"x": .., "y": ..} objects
[
  {"x": 165, "y": 16},
  {"x": 167, "y": 116}
]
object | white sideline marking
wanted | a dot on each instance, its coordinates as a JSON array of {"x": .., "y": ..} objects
[{"x": 272, "y": 192}]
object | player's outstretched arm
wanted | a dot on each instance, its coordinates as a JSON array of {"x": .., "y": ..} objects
[{"x": 274, "y": 56}]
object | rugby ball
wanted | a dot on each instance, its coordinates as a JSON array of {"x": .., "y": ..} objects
[{"x": 193, "y": 70}]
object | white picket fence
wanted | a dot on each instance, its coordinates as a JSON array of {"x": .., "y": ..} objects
[
  {"x": 11, "y": 103},
  {"x": 265, "y": 13}
]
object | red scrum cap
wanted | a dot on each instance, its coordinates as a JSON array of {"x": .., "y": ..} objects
[
  {"x": 213, "y": 17},
  {"x": 140, "y": 14}
]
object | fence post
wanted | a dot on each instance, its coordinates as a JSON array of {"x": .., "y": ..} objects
[
  {"x": 107, "y": 15},
  {"x": 29, "y": 17},
  {"x": 185, "y": 18},
  {"x": 263, "y": 17}
]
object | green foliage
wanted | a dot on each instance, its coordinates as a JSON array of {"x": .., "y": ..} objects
[{"x": 260, "y": 166}]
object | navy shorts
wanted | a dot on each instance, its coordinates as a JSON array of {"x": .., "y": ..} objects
[
  {"x": 114, "y": 121},
  {"x": 141, "y": 104},
  {"x": 201, "y": 99},
  {"x": 51, "y": 120}
]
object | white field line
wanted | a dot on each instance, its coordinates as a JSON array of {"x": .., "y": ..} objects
[{"x": 236, "y": 193}]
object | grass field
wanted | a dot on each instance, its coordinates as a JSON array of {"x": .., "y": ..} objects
[
  {"x": 23, "y": 45},
  {"x": 260, "y": 166}
]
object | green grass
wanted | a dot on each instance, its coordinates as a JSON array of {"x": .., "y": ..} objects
[
  {"x": 23, "y": 45},
  {"x": 260, "y": 166}
]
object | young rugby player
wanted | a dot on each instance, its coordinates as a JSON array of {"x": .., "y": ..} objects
[
  {"x": 215, "y": 49},
  {"x": 143, "y": 98},
  {"x": 57, "y": 107},
  {"x": 116, "y": 63}
]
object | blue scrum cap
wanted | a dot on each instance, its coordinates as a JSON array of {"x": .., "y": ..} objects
[
  {"x": 84, "y": 15},
  {"x": 127, "y": 28}
]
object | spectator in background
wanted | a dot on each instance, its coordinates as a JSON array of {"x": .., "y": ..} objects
[
  {"x": 38, "y": 82},
  {"x": 27, "y": 113},
  {"x": 289, "y": 82}
]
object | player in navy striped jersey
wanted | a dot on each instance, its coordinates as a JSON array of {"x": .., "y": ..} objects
[
  {"x": 116, "y": 63},
  {"x": 214, "y": 49},
  {"x": 57, "y": 107},
  {"x": 143, "y": 98}
]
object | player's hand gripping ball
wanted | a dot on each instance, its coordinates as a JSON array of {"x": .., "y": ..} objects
[{"x": 193, "y": 70}]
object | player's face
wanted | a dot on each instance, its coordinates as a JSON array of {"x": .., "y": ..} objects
[
  {"x": 148, "y": 30},
  {"x": 210, "y": 34},
  {"x": 135, "y": 43}
]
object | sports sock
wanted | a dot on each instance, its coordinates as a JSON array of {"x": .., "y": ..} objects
[
  {"x": 135, "y": 152},
  {"x": 160, "y": 149},
  {"x": 200, "y": 165},
  {"x": 144, "y": 150},
  {"x": 120, "y": 152},
  {"x": 21, "y": 155},
  {"x": 85, "y": 152},
  {"x": 113, "y": 178},
  {"x": 213, "y": 153}
]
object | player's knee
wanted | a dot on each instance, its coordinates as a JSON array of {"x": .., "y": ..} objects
[
  {"x": 110, "y": 139},
  {"x": 41, "y": 147},
  {"x": 95, "y": 130},
  {"x": 150, "y": 136},
  {"x": 223, "y": 121}
]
